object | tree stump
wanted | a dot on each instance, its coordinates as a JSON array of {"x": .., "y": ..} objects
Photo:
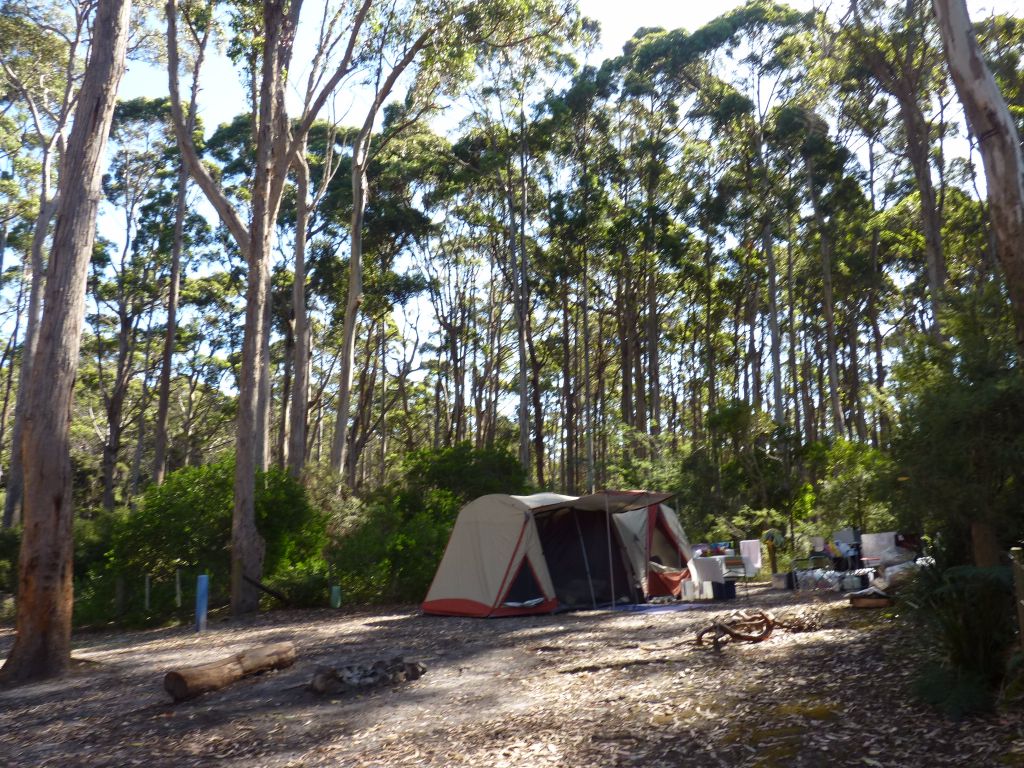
[{"x": 189, "y": 682}]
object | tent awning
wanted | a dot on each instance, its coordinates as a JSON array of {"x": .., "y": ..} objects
[{"x": 610, "y": 501}]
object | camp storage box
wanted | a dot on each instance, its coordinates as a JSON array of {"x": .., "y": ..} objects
[{"x": 725, "y": 590}]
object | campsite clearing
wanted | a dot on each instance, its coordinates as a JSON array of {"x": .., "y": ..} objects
[{"x": 592, "y": 688}]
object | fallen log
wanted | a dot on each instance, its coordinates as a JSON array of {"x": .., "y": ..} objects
[{"x": 189, "y": 682}]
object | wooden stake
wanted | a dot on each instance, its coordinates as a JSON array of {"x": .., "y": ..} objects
[
  {"x": 146, "y": 602},
  {"x": 177, "y": 587}
]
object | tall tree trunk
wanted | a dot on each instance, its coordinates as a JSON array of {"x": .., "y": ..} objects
[
  {"x": 993, "y": 126},
  {"x": 568, "y": 396},
  {"x": 265, "y": 394},
  {"x": 171, "y": 331},
  {"x": 773, "y": 325},
  {"x": 588, "y": 413},
  {"x": 300, "y": 389},
  {"x": 825, "y": 244},
  {"x": 352, "y": 304},
  {"x": 900, "y": 75},
  {"x": 112, "y": 446},
  {"x": 9, "y": 359},
  {"x": 247, "y": 545},
  {"x": 853, "y": 375},
  {"x": 999, "y": 143},
  {"x": 538, "y": 407},
  {"x": 115, "y": 406},
  {"x": 140, "y": 432},
  {"x": 42, "y": 646},
  {"x": 284, "y": 424},
  {"x": 15, "y": 473},
  {"x": 627, "y": 329},
  {"x": 919, "y": 150},
  {"x": 654, "y": 356}
]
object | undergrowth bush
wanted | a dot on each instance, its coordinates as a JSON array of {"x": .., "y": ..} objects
[
  {"x": 183, "y": 528},
  {"x": 969, "y": 614}
]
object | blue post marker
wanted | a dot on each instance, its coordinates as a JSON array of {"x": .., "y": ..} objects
[
  {"x": 202, "y": 598},
  {"x": 336, "y": 596}
]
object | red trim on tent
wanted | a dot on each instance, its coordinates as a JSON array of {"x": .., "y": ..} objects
[
  {"x": 458, "y": 606},
  {"x": 546, "y": 607}
]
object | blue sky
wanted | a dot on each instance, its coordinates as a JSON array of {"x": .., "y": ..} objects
[{"x": 223, "y": 95}]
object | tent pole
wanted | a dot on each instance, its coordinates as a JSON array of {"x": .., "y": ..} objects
[
  {"x": 608, "y": 532},
  {"x": 586, "y": 561}
]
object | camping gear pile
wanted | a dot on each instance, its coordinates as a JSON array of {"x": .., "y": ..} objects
[{"x": 520, "y": 555}]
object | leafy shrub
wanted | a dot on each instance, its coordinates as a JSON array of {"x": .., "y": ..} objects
[
  {"x": 187, "y": 521},
  {"x": 969, "y": 613},
  {"x": 960, "y": 452},
  {"x": 957, "y": 693},
  {"x": 306, "y": 584},
  {"x": 183, "y": 528}
]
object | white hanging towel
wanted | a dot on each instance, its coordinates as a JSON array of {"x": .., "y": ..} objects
[{"x": 750, "y": 549}]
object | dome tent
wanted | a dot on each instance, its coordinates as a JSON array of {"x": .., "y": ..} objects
[{"x": 518, "y": 555}]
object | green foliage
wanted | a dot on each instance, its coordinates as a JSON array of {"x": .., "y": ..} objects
[
  {"x": 855, "y": 488},
  {"x": 464, "y": 471},
  {"x": 186, "y": 524},
  {"x": 969, "y": 611},
  {"x": 306, "y": 583},
  {"x": 958, "y": 694},
  {"x": 187, "y": 521},
  {"x": 389, "y": 548},
  {"x": 960, "y": 453},
  {"x": 10, "y": 541}
]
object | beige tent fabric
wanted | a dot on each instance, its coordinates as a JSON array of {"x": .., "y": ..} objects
[
  {"x": 672, "y": 519},
  {"x": 633, "y": 531},
  {"x": 491, "y": 536},
  {"x": 610, "y": 501}
]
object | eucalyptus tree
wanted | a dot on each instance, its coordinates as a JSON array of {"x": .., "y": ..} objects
[
  {"x": 42, "y": 645},
  {"x": 442, "y": 40},
  {"x": 199, "y": 31},
  {"x": 125, "y": 282},
  {"x": 45, "y": 45},
  {"x": 405, "y": 171},
  {"x": 774, "y": 45},
  {"x": 999, "y": 143},
  {"x": 579, "y": 121},
  {"x": 19, "y": 201},
  {"x": 895, "y": 44},
  {"x": 648, "y": 109}
]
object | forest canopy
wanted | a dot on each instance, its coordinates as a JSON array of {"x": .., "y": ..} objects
[{"x": 753, "y": 263}]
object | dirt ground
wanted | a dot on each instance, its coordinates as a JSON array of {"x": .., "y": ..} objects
[{"x": 584, "y": 689}]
